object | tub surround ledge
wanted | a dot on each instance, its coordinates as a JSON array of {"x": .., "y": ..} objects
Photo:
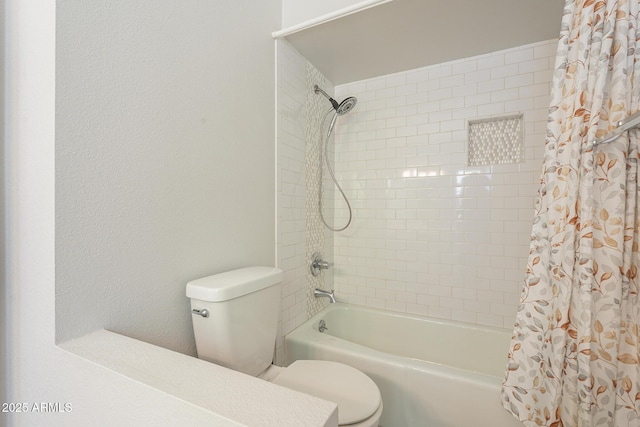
[{"x": 232, "y": 397}]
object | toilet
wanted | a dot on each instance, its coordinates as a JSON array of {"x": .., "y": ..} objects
[{"x": 235, "y": 321}]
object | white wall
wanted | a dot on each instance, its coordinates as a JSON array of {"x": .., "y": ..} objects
[
  {"x": 38, "y": 371},
  {"x": 3, "y": 284},
  {"x": 297, "y": 11},
  {"x": 165, "y": 158},
  {"x": 79, "y": 125},
  {"x": 432, "y": 235}
]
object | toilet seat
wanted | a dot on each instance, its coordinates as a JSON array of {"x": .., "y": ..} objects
[{"x": 356, "y": 395}]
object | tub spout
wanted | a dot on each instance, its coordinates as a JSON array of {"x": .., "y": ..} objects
[{"x": 321, "y": 293}]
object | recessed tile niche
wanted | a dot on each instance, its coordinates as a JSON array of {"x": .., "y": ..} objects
[{"x": 496, "y": 141}]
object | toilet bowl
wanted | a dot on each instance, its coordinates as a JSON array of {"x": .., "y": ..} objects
[
  {"x": 357, "y": 396},
  {"x": 235, "y": 320}
]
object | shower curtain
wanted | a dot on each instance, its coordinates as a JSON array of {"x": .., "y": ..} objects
[{"x": 574, "y": 357}]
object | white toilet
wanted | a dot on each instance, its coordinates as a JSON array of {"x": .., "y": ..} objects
[{"x": 235, "y": 321}]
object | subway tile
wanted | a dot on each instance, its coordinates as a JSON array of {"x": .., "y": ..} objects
[
  {"x": 504, "y": 95},
  {"x": 439, "y": 94},
  {"x": 490, "y": 85},
  {"x": 385, "y": 113},
  {"x": 506, "y": 71},
  {"x": 439, "y": 116},
  {"x": 477, "y": 76},
  {"x": 491, "y": 61},
  {"x": 451, "y": 103},
  {"x": 477, "y": 99},
  {"x": 440, "y": 71},
  {"x": 424, "y": 87},
  {"x": 407, "y": 130},
  {"x": 542, "y": 77},
  {"x": 398, "y": 101},
  {"x": 518, "y": 55},
  {"x": 395, "y": 122},
  {"x": 520, "y": 81},
  {"x": 417, "y": 119},
  {"x": 406, "y": 110},
  {"x": 545, "y": 49},
  {"x": 428, "y": 107},
  {"x": 519, "y": 105},
  {"x": 375, "y": 84},
  {"x": 407, "y": 89},
  {"x": 417, "y": 98},
  {"x": 464, "y": 89},
  {"x": 492, "y": 109},
  {"x": 396, "y": 142},
  {"x": 540, "y": 64},
  {"x": 463, "y": 67},
  {"x": 435, "y": 236},
  {"x": 397, "y": 79},
  {"x": 452, "y": 81},
  {"x": 417, "y": 75},
  {"x": 464, "y": 112}
]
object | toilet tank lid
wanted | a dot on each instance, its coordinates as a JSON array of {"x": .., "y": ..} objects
[{"x": 233, "y": 284}]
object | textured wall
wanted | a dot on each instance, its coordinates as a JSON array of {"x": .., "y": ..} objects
[
  {"x": 3, "y": 193},
  {"x": 297, "y": 11},
  {"x": 38, "y": 370},
  {"x": 165, "y": 158}
]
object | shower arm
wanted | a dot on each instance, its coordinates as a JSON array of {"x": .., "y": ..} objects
[{"x": 335, "y": 104}]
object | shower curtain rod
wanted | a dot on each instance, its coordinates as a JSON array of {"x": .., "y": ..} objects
[{"x": 631, "y": 122}]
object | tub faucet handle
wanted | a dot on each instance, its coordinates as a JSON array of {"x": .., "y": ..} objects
[{"x": 318, "y": 264}]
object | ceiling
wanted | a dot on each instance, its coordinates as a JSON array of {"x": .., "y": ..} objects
[{"x": 407, "y": 34}]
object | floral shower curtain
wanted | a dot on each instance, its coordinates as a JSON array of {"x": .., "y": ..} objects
[{"x": 574, "y": 357}]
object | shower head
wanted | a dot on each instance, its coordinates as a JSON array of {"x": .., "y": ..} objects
[
  {"x": 346, "y": 105},
  {"x": 342, "y": 108}
]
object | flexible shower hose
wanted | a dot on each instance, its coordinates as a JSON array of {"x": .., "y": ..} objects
[{"x": 333, "y": 178}]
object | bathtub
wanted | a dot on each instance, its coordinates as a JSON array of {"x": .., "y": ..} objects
[{"x": 431, "y": 373}]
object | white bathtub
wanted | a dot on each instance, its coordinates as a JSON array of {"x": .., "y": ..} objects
[{"x": 431, "y": 373}]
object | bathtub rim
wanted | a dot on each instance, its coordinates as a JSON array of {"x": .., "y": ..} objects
[
  {"x": 436, "y": 320},
  {"x": 309, "y": 330}
]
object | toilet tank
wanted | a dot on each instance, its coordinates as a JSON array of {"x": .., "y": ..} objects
[{"x": 240, "y": 329}]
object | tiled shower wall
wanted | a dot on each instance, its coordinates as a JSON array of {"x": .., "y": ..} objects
[
  {"x": 291, "y": 186},
  {"x": 432, "y": 235},
  {"x": 300, "y": 234},
  {"x": 318, "y": 238}
]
